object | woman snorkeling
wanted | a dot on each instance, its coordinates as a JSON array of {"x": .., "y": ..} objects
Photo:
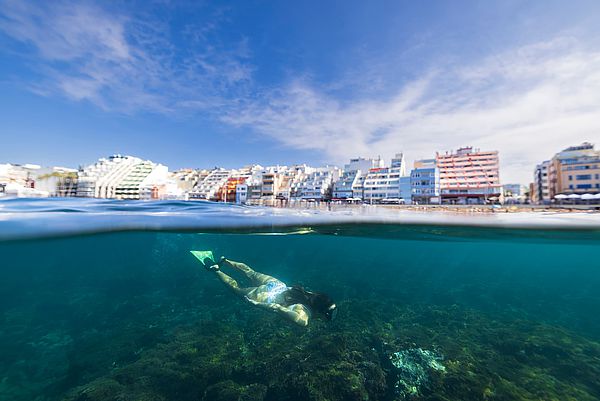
[{"x": 294, "y": 303}]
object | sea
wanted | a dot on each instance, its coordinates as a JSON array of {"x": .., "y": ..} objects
[{"x": 102, "y": 300}]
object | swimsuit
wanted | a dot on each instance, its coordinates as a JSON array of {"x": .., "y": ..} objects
[{"x": 274, "y": 289}]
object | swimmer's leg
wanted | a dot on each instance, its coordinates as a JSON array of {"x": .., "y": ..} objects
[
  {"x": 256, "y": 277},
  {"x": 231, "y": 283}
]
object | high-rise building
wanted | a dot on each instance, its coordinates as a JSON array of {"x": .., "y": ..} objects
[{"x": 469, "y": 176}]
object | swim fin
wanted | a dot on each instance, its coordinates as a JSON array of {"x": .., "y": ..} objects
[{"x": 206, "y": 257}]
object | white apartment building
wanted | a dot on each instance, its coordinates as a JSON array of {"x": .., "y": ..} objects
[
  {"x": 211, "y": 185},
  {"x": 94, "y": 180},
  {"x": 122, "y": 177},
  {"x": 316, "y": 185},
  {"x": 383, "y": 183},
  {"x": 351, "y": 181},
  {"x": 31, "y": 180},
  {"x": 57, "y": 181}
]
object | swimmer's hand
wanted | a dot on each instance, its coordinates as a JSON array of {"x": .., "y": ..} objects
[{"x": 262, "y": 304}]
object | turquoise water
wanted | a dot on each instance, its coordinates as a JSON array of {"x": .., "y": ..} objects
[{"x": 101, "y": 300}]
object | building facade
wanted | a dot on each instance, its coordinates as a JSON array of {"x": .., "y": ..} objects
[
  {"x": 383, "y": 184},
  {"x": 425, "y": 182},
  {"x": 316, "y": 185},
  {"x": 576, "y": 170},
  {"x": 541, "y": 183},
  {"x": 469, "y": 176},
  {"x": 351, "y": 181},
  {"x": 123, "y": 177},
  {"x": 572, "y": 171}
]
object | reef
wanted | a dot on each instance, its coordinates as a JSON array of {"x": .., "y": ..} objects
[{"x": 383, "y": 354}]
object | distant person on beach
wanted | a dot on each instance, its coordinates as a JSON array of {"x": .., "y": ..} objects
[{"x": 293, "y": 303}]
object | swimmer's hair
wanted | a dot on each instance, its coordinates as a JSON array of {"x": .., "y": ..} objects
[{"x": 317, "y": 302}]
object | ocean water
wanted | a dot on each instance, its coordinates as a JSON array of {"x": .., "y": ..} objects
[{"x": 101, "y": 300}]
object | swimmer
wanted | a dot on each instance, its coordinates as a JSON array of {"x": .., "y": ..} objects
[{"x": 293, "y": 303}]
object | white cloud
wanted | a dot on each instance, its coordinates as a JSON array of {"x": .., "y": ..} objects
[
  {"x": 120, "y": 62},
  {"x": 528, "y": 103}
]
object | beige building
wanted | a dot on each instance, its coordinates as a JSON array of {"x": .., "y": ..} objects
[{"x": 576, "y": 170}]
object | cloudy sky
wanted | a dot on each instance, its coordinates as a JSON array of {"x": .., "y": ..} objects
[{"x": 199, "y": 84}]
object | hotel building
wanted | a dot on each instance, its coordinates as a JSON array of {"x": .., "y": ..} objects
[{"x": 469, "y": 176}]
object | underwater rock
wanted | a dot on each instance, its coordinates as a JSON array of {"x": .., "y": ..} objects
[
  {"x": 229, "y": 390},
  {"x": 414, "y": 367}
]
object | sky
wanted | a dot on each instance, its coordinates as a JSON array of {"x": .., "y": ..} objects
[{"x": 223, "y": 83}]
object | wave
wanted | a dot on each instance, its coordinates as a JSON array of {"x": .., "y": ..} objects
[{"x": 41, "y": 218}]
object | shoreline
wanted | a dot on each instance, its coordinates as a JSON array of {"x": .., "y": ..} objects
[{"x": 462, "y": 209}]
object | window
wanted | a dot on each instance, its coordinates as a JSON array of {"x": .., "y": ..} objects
[
  {"x": 584, "y": 186},
  {"x": 570, "y": 178},
  {"x": 584, "y": 177}
]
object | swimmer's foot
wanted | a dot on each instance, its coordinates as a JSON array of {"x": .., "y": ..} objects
[{"x": 211, "y": 266}]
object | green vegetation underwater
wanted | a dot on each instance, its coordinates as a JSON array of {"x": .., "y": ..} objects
[{"x": 103, "y": 301}]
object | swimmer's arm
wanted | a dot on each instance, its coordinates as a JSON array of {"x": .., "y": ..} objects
[{"x": 298, "y": 318}]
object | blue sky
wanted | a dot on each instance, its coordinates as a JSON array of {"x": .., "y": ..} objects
[{"x": 199, "y": 84}]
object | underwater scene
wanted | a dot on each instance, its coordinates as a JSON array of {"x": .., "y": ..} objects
[{"x": 105, "y": 301}]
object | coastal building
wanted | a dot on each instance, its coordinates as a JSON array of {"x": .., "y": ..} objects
[
  {"x": 270, "y": 184},
  {"x": 229, "y": 190},
  {"x": 209, "y": 188},
  {"x": 21, "y": 175},
  {"x": 241, "y": 193},
  {"x": 469, "y": 176},
  {"x": 32, "y": 180},
  {"x": 541, "y": 183},
  {"x": 383, "y": 184},
  {"x": 575, "y": 170},
  {"x": 316, "y": 185},
  {"x": 514, "y": 193},
  {"x": 123, "y": 177},
  {"x": 94, "y": 180},
  {"x": 350, "y": 184},
  {"x": 405, "y": 189},
  {"x": 186, "y": 179},
  {"x": 425, "y": 182}
]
